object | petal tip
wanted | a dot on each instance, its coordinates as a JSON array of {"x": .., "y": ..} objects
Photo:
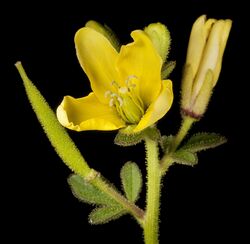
[{"x": 62, "y": 115}]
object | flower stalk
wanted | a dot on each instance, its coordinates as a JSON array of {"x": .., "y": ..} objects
[
  {"x": 185, "y": 127},
  {"x": 167, "y": 159}
]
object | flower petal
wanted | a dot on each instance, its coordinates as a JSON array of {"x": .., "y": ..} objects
[
  {"x": 141, "y": 59},
  {"x": 87, "y": 113},
  {"x": 97, "y": 57},
  {"x": 158, "y": 108},
  {"x": 197, "y": 41},
  {"x": 212, "y": 55},
  {"x": 227, "y": 24}
]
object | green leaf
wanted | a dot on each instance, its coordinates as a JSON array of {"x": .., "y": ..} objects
[
  {"x": 57, "y": 135},
  {"x": 105, "y": 214},
  {"x": 203, "y": 141},
  {"x": 166, "y": 142},
  {"x": 131, "y": 180},
  {"x": 167, "y": 69},
  {"x": 185, "y": 157},
  {"x": 88, "y": 193}
]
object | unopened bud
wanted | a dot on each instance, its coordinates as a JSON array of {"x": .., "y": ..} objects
[{"x": 206, "y": 47}]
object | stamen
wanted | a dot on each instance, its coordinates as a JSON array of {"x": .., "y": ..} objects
[
  {"x": 130, "y": 77},
  {"x": 123, "y": 90},
  {"x": 107, "y": 94},
  {"x": 115, "y": 84},
  {"x": 111, "y": 102},
  {"x": 126, "y": 100},
  {"x": 120, "y": 101}
]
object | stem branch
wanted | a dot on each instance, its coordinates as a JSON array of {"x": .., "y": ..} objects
[
  {"x": 185, "y": 127},
  {"x": 167, "y": 160},
  {"x": 129, "y": 206}
]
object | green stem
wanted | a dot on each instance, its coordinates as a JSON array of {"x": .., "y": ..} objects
[
  {"x": 167, "y": 160},
  {"x": 151, "y": 221},
  {"x": 185, "y": 127},
  {"x": 129, "y": 206}
]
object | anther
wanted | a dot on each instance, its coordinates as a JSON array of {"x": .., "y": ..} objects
[
  {"x": 115, "y": 84},
  {"x": 120, "y": 101},
  {"x": 111, "y": 102},
  {"x": 107, "y": 94},
  {"x": 123, "y": 90},
  {"x": 128, "y": 80}
]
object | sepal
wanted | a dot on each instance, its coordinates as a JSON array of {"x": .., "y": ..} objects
[
  {"x": 167, "y": 69},
  {"x": 126, "y": 137}
]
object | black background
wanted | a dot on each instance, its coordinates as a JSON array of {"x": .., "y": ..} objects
[{"x": 201, "y": 204}]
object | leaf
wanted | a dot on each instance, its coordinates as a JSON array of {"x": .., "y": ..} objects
[
  {"x": 185, "y": 157},
  {"x": 105, "y": 214},
  {"x": 166, "y": 142},
  {"x": 131, "y": 180},
  {"x": 88, "y": 193},
  {"x": 167, "y": 69},
  {"x": 56, "y": 134},
  {"x": 203, "y": 141}
]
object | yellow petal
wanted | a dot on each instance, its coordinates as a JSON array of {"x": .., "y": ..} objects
[
  {"x": 186, "y": 86},
  {"x": 210, "y": 55},
  {"x": 97, "y": 57},
  {"x": 141, "y": 59},
  {"x": 106, "y": 31},
  {"x": 197, "y": 41},
  {"x": 158, "y": 108},
  {"x": 87, "y": 113},
  {"x": 202, "y": 99},
  {"x": 227, "y": 24}
]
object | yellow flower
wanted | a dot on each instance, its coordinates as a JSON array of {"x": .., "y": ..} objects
[
  {"x": 127, "y": 86},
  {"x": 206, "y": 46}
]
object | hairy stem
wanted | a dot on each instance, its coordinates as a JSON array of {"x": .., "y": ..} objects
[
  {"x": 129, "y": 206},
  {"x": 167, "y": 160},
  {"x": 185, "y": 127},
  {"x": 151, "y": 221}
]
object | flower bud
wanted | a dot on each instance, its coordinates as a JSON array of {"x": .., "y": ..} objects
[
  {"x": 160, "y": 36},
  {"x": 206, "y": 46}
]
